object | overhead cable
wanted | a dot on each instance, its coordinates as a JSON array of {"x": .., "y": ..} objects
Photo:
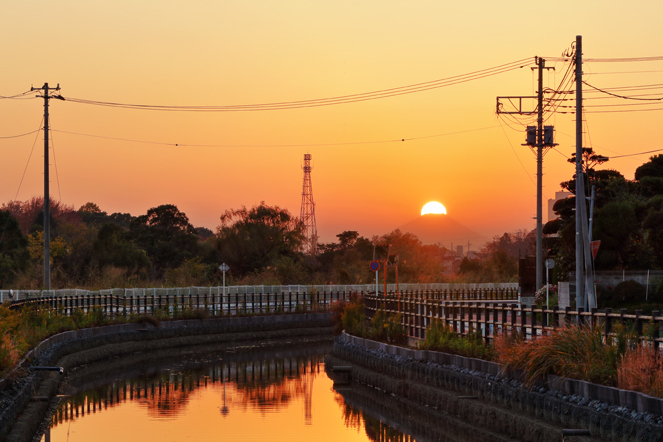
[{"x": 344, "y": 99}]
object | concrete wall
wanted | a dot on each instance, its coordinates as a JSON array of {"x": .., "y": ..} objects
[
  {"x": 80, "y": 347},
  {"x": 609, "y": 413}
]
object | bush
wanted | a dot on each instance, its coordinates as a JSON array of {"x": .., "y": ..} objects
[
  {"x": 640, "y": 370},
  {"x": 387, "y": 328},
  {"x": 338, "y": 308},
  {"x": 354, "y": 319},
  {"x": 440, "y": 337},
  {"x": 627, "y": 293},
  {"x": 576, "y": 352}
]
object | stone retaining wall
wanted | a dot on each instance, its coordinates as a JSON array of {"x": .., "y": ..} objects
[
  {"x": 427, "y": 377},
  {"x": 22, "y": 386}
]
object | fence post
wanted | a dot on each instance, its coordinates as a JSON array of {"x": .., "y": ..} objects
[
  {"x": 608, "y": 324},
  {"x": 513, "y": 319},
  {"x": 656, "y": 333},
  {"x": 567, "y": 316},
  {"x": 523, "y": 323},
  {"x": 638, "y": 323}
]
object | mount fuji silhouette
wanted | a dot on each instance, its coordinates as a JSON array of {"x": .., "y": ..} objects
[{"x": 433, "y": 229}]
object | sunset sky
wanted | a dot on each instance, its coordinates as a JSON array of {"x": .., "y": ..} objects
[{"x": 245, "y": 52}]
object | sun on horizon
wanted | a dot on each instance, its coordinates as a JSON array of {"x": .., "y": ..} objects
[{"x": 433, "y": 208}]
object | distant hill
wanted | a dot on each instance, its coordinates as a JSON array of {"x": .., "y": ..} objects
[{"x": 431, "y": 229}]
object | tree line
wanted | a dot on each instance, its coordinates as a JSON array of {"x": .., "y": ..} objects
[
  {"x": 262, "y": 245},
  {"x": 628, "y": 217}
]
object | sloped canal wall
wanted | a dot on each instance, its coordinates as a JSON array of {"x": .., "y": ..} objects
[
  {"x": 26, "y": 393},
  {"x": 476, "y": 392}
]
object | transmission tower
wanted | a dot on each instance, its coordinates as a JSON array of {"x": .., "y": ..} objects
[{"x": 307, "y": 214}]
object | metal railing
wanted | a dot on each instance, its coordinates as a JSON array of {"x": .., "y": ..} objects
[
  {"x": 18, "y": 295},
  {"x": 491, "y": 316},
  {"x": 174, "y": 302}
]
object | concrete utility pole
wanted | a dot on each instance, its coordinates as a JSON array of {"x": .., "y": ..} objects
[
  {"x": 540, "y": 142},
  {"x": 580, "y": 180},
  {"x": 541, "y": 63},
  {"x": 47, "y": 205}
]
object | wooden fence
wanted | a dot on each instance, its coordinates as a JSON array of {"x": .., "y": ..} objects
[{"x": 491, "y": 316}]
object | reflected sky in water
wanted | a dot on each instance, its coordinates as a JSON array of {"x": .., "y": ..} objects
[{"x": 283, "y": 398}]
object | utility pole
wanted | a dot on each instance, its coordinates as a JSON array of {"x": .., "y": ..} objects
[
  {"x": 541, "y": 63},
  {"x": 535, "y": 138},
  {"x": 584, "y": 268},
  {"x": 47, "y": 205},
  {"x": 580, "y": 180}
]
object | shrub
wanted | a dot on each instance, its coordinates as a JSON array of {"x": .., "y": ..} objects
[
  {"x": 440, "y": 337},
  {"x": 354, "y": 319},
  {"x": 640, "y": 370},
  {"x": 626, "y": 293},
  {"x": 576, "y": 352},
  {"x": 9, "y": 354},
  {"x": 339, "y": 307},
  {"x": 387, "y": 328}
]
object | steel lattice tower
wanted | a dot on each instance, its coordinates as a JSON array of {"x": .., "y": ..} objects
[{"x": 307, "y": 213}]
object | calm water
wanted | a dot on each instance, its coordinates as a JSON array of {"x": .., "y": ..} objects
[{"x": 279, "y": 395}]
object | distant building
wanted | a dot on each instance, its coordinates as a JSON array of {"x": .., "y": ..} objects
[{"x": 551, "y": 203}]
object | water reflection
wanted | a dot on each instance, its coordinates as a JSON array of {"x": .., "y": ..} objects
[
  {"x": 286, "y": 396},
  {"x": 259, "y": 385}
]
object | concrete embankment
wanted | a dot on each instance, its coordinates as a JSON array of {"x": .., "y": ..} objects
[
  {"x": 27, "y": 394},
  {"x": 490, "y": 401}
]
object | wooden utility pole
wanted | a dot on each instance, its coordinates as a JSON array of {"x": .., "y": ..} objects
[{"x": 47, "y": 206}]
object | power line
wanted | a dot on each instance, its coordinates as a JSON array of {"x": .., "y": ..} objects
[
  {"x": 634, "y": 154},
  {"x": 624, "y": 72},
  {"x": 55, "y": 163},
  {"x": 516, "y": 154},
  {"x": 610, "y": 60},
  {"x": 398, "y": 140},
  {"x": 4, "y": 230},
  {"x": 621, "y": 96},
  {"x": 344, "y": 99},
  {"x": 22, "y": 135},
  {"x": 20, "y": 96}
]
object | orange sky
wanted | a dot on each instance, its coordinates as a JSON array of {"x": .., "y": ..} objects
[{"x": 238, "y": 52}]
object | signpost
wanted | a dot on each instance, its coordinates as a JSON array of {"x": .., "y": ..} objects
[
  {"x": 224, "y": 268},
  {"x": 550, "y": 264}
]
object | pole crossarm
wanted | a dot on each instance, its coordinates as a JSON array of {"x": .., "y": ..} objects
[{"x": 515, "y": 101}]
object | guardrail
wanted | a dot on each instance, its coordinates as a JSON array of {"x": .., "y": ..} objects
[
  {"x": 234, "y": 300},
  {"x": 17, "y": 295},
  {"x": 490, "y": 316},
  {"x": 171, "y": 302}
]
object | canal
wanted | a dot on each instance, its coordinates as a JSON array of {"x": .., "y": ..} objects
[{"x": 281, "y": 394}]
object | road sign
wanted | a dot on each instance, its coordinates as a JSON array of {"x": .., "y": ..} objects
[
  {"x": 595, "y": 247},
  {"x": 375, "y": 266},
  {"x": 224, "y": 267},
  {"x": 550, "y": 263}
]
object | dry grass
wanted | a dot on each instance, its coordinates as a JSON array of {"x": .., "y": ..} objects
[
  {"x": 573, "y": 352},
  {"x": 641, "y": 370}
]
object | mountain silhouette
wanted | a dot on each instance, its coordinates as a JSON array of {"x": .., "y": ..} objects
[{"x": 433, "y": 229}]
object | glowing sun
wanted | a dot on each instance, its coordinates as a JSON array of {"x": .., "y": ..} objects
[{"x": 433, "y": 207}]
